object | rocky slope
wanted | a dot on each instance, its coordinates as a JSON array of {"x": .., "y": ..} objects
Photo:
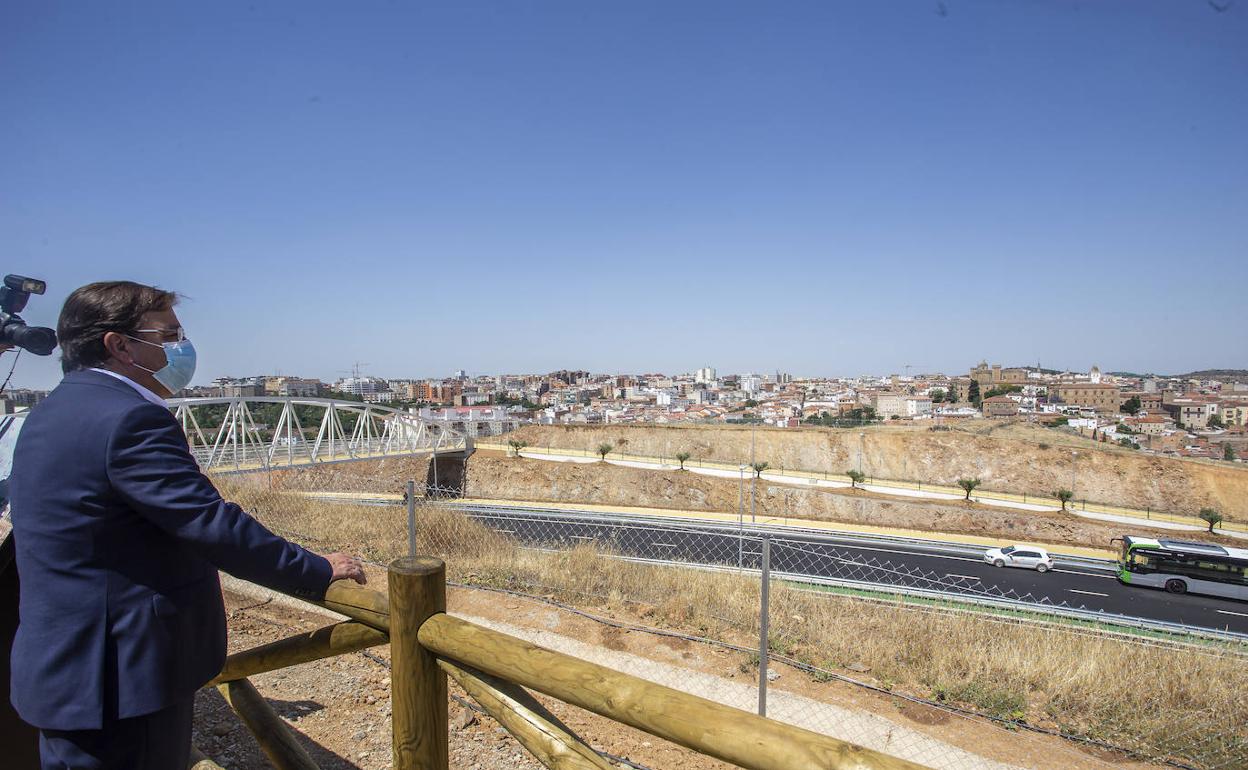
[
  {"x": 1037, "y": 464},
  {"x": 603, "y": 483}
]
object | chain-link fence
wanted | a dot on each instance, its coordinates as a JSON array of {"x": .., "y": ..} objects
[{"x": 910, "y": 673}]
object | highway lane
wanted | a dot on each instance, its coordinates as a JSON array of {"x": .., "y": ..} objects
[{"x": 821, "y": 555}]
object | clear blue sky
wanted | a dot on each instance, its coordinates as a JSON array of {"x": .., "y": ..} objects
[{"x": 825, "y": 187}]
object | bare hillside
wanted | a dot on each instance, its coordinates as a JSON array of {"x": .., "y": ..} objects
[
  {"x": 1027, "y": 459},
  {"x": 603, "y": 483}
]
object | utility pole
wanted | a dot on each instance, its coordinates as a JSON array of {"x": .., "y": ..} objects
[{"x": 1073, "y": 468}]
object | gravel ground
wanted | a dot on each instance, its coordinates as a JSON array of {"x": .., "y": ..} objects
[{"x": 339, "y": 708}]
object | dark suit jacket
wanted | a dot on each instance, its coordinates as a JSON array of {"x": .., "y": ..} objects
[{"x": 119, "y": 538}]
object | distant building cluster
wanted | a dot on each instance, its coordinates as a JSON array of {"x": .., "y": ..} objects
[{"x": 1196, "y": 417}]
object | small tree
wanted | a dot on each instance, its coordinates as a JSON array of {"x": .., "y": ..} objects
[
  {"x": 968, "y": 485},
  {"x": 604, "y": 450},
  {"x": 516, "y": 445},
  {"x": 972, "y": 394},
  {"x": 1131, "y": 405},
  {"x": 855, "y": 478},
  {"x": 1211, "y": 516},
  {"x": 681, "y": 457},
  {"x": 759, "y": 468},
  {"x": 1064, "y": 495},
  {"x": 1215, "y": 421},
  {"x": 1228, "y": 453}
]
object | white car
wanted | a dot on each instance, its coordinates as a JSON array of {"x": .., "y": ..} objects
[{"x": 1028, "y": 556}]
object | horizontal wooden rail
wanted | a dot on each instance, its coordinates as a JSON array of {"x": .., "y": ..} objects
[
  {"x": 711, "y": 728},
  {"x": 326, "y": 642},
  {"x": 538, "y": 730},
  {"x": 494, "y": 668},
  {"x": 372, "y": 608}
]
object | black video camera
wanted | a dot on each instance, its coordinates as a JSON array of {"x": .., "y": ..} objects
[{"x": 17, "y": 289}]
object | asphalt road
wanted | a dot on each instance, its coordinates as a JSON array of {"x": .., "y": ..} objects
[{"x": 957, "y": 570}]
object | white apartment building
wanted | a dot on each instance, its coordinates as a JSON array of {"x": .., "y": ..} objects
[
  {"x": 705, "y": 375},
  {"x": 362, "y": 386}
]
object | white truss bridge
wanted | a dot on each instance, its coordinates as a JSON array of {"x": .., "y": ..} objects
[{"x": 306, "y": 431}]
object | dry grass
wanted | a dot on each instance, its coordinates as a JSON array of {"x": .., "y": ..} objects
[{"x": 1161, "y": 701}]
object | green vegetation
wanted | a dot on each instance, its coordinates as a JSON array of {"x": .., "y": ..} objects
[
  {"x": 1210, "y": 516},
  {"x": 855, "y": 478},
  {"x": 759, "y": 468},
  {"x": 1001, "y": 390},
  {"x": 968, "y": 485},
  {"x": 853, "y": 418},
  {"x": 1228, "y": 453},
  {"x": 682, "y": 457},
  {"x": 1064, "y": 495},
  {"x": 523, "y": 403},
  {"x": 517, "y": 445},
  {"x": 1127, "y": 443},
  {"x": 973, "y": 394},
  {"x": 1131, "y": 405},
  {"x": 938, "y": 396},
  {"x": 604, "y": 450},
  {"x": 1215, "y": 421}
]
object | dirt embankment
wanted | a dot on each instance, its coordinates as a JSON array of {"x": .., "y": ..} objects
[
  {"x": 1036, "y": 465},
  {"x": 606, "y": 484}
]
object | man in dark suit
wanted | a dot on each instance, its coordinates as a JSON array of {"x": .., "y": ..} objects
[{"x": 119, "y": 538}]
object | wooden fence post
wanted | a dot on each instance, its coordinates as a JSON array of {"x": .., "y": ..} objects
[{"x": 417, "y": 685}]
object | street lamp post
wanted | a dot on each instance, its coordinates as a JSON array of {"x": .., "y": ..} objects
[
  {"x": 740, "y": 518},
  {"x": 1073, "y": 468},
  {"x": 753, "y": 481}
]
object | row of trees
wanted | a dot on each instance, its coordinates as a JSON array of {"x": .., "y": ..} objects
[{"x": 856, "y": 477}]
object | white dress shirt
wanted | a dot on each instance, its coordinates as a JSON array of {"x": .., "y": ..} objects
[{"x": 144, "y": 392}]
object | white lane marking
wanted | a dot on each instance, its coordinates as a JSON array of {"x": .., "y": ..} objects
[
  {"x": 1086, "y": 574},
  {"x": 964, "y": 577},
  {"x": 508, "y": 531},
  {"x": 581, "y": 537},
  {"x": 1228, "y": 612},
  {"x": 664, "y": 545},
  {"x": 1088, "y": 593}
]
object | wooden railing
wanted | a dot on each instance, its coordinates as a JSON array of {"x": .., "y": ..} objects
[{"x": 427, "y": 645}]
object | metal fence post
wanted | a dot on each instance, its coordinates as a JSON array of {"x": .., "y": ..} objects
[
  {"x": 764, "y": 626},
  {"x": 411, "y": 517}
]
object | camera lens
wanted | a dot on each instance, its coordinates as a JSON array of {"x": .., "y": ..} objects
[{"x": 39, "y": 340}]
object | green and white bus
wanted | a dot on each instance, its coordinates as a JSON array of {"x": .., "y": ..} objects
[{"x": 1180, "y": 566}]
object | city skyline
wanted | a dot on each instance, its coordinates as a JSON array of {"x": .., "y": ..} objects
[{"x": 818, "y": 188}]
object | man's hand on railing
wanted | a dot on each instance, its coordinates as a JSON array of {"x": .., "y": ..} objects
[{"x": 347, "y": 567}]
